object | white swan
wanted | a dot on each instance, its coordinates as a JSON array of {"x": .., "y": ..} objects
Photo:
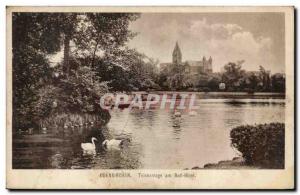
[
  {"x": 177, "y": 114},
  {"x": 112, "y": 144},
  {"x": 193, "y": 113},
  {"x": 88, "y": 147}
]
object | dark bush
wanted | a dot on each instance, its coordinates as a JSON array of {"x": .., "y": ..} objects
[{"x": 261, "y": 145}]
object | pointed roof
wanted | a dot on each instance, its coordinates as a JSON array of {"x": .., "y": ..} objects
[{"x": 176, "y": 49}]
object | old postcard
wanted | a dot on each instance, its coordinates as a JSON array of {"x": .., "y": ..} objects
[{"x": 150, "y": 98}]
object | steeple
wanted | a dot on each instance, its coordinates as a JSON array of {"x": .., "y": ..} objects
[{"x": 177, "y": 57}]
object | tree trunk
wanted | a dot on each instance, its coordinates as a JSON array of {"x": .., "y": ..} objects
[{"x": 66, "y": 64}]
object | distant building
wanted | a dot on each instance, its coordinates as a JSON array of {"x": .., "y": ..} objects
[{"x": 191, "y": 67}]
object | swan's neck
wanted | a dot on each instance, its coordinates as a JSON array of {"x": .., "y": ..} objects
[
  {"x": 105, "y": 142},
  {"x": 93, "y": 141}
]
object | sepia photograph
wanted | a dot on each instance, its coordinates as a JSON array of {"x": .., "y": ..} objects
[{"x": 115, "y": 90}]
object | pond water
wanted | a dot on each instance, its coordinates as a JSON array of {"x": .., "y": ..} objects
[{"x": 155, "y": 138}]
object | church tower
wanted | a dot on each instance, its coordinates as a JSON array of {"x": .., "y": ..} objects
[
  {"x": 177, "y": 57},
  {"x": 210, "y": 65}
]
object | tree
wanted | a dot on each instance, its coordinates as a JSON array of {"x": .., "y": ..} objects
[
  {"x": 265, "y": 78},
  {"x": 132, "y": 71},
  {"x": 68, "y": 26},
  {"x": 142, "y": 71},
  {"x": 177, "y": 77},
  {"x": 203, "y": 80},
  {"x": 232, "y": 75},
  {"x": 103, "y": 34},
  {"x": 213, "y": 83},
  {"x": 278, "y": 82},
  {"x": 253, "y": 82},
  {"x": 34, "y": 36},
  {"x": 162, "y": 79}
]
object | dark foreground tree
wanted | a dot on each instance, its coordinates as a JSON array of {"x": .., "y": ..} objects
[{"x": 34, "y": 36}]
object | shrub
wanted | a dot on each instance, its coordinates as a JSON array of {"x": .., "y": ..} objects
[
  {"x": 261, "y": 145},
  {"x": 78, "y": 94}
]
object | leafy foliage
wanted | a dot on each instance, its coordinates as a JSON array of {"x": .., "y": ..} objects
[
  {"x": 34, "y": 36},
  {"x": 79, "y": 93},
  {"x": 103, "y": 34},
  {"x": 232, "y": 75},
  {"x": 78, "y": 86},
  {"x": 261, "y": 145},
  {"x": 131, "y": 70},
  {"x": 278, "y": 82},
  {"x": 175, "y": 77}
]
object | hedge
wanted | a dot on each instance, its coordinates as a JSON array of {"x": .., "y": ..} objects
[{"x": 260, "y": 145}]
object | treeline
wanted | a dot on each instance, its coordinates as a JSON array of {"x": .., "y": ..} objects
[{"x": 232, "y": 78}]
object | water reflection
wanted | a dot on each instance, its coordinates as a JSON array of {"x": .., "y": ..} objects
[
  {"x": 157, "y": 138},
  {"x": 176, "y": 124}
]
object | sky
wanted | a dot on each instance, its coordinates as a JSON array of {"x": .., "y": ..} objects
[{"x": 257, "y": 38}]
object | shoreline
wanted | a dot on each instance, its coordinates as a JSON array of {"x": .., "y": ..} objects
[
  {"x": 235, "y": 163},
  {"x": 214, "y": 92},
  {"x": 218, "y": 95}
]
